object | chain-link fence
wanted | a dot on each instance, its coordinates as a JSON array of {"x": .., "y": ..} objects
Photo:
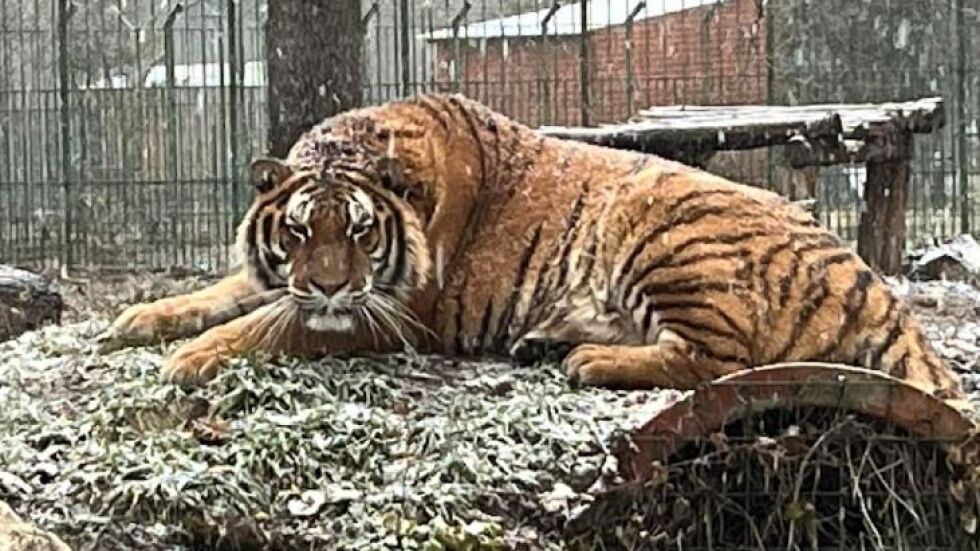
[{"x": 125, "y": 125}]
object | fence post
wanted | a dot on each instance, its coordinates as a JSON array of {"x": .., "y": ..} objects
[
  {"x": 365, "y": 22},
  {"x": 457, "y": 21},
  {"x": 64, "y": 14},
  {"x": 584, "y": 63},
  {"x": 171, "y": 77},
  {"x": 629, "y": 56},
  {"x": 171, "y": 105},
  {"x": 547, "y": 71},
  {"x": 962, "y": 164},
  {"x": 233, "y": 174},
  {"x": 405, "y": 49},
  {"x": 770, "y": 84}
]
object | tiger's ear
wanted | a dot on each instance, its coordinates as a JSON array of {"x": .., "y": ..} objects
[{"x": 267, "y": 174}]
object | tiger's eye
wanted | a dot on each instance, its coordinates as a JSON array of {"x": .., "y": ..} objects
[
  {"x": 358, "y": 229},
  {"x": 299, "y": 231}
]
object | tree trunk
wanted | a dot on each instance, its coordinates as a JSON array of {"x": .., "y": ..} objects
[
  {"x": 27, "y": 301},
  {"x": 313, "y": 53}
]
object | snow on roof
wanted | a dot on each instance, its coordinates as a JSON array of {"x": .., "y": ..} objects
[
  {"x": 567, "y": 20},
  {"x": 205, "y": 75}
]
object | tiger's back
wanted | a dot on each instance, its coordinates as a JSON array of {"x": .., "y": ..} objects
[
  {"x": 619, "y": 251},
  {"x": 751, "y": 280}
]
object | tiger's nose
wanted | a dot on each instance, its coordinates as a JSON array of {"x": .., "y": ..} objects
[{"x": 325, "y": 289}]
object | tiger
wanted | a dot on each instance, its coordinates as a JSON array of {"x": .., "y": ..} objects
[{"x": 435, "y": 224}]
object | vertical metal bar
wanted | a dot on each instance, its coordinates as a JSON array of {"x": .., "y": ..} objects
[
  {"x": 500, "y": 94},
  {"x": 365, "y": 23},
  {"x": 413, "y": 47},
  {"x": 25, "y": 148},
  {"x": 584, "y": 62},
  {"x": 36, "y": 196},
  {"x": 64, "y": 13},
  {"x": 973, "y": 71},
  {"x": 6, "y": 238},
  {"x": 233, "y": 105},
  {"x": 629, "y": 56},
  {"x": 606, "y": 85},
  {"x": 205, "y": 226},
  {"x": 962, "y": 163},
  {"x": 171, "y": 108},
  {"x": 431, "y": 48},
  {"x": 240, "y": 59},
  {"x": 394, "y": 74},
  {"x": 457, "y": 21},
  {"x": 770, "y": 77},
  {"x": 545, "y": 80},
  {"x": 142, "y": 96},
  {"x": 379, "y": 59},
  {"x": 228, "y": 208},
  {"x": 484, "y": 47},
  {"x": 406, "y": 66},
  {"x": 31, "y": 88},
  {"x": 83, "y": 164}
]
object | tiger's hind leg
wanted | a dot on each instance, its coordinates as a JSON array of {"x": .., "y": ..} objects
[{"x": 669, "y": 363}]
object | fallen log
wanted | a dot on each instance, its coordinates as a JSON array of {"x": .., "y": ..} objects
[{"x": 27, "y": 301}]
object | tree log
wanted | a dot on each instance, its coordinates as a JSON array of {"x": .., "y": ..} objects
[
  {"x": 313, "y": 55},
  {"x": 27, "y": 301}
]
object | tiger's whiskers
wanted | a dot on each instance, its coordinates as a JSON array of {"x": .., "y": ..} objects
[{"x": 396, "y": 316}]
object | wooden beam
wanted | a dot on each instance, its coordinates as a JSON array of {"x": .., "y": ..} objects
[
  {"x": 921, "y": 116},
  {"x": 695, "y": 136},
  {"x": 815, "y": 135},
  {"x": 882, "y": 147}
]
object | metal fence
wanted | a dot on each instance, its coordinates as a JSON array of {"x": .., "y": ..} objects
[{"x": 125, "y": 125}]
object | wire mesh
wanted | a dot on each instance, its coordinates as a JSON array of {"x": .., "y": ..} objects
[{"x": 124, "y": 126}]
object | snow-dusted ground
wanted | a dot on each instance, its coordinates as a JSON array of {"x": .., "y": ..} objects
[
  {"x": 370, "y": 452},
  {"x": 950, "y": 314}
]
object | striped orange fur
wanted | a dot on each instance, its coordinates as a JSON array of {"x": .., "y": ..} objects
[{"x": 437, "y": 223}]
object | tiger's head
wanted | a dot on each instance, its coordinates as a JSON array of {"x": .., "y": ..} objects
[{"x": 348, "y": 252}]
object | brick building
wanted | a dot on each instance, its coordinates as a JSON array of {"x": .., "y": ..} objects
[{"x": 683, "y": 51}]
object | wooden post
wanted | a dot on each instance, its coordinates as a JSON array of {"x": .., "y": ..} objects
[{"x": 881, "y": 232}]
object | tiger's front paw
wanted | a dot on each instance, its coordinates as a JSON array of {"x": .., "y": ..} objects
[
  {"x": 194, "y": 364},
  {"x": 536, "y": 348},
  {"x": 138, "y": 325},
  {"x": 592, "y": 365},
  {"x": 145, "y": 323}
]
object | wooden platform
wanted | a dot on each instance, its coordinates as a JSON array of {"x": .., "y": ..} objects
[{"x": 878, "y": 135}]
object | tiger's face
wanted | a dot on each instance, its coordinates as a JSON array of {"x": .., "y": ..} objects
[{"x": 347, "y": 253}]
